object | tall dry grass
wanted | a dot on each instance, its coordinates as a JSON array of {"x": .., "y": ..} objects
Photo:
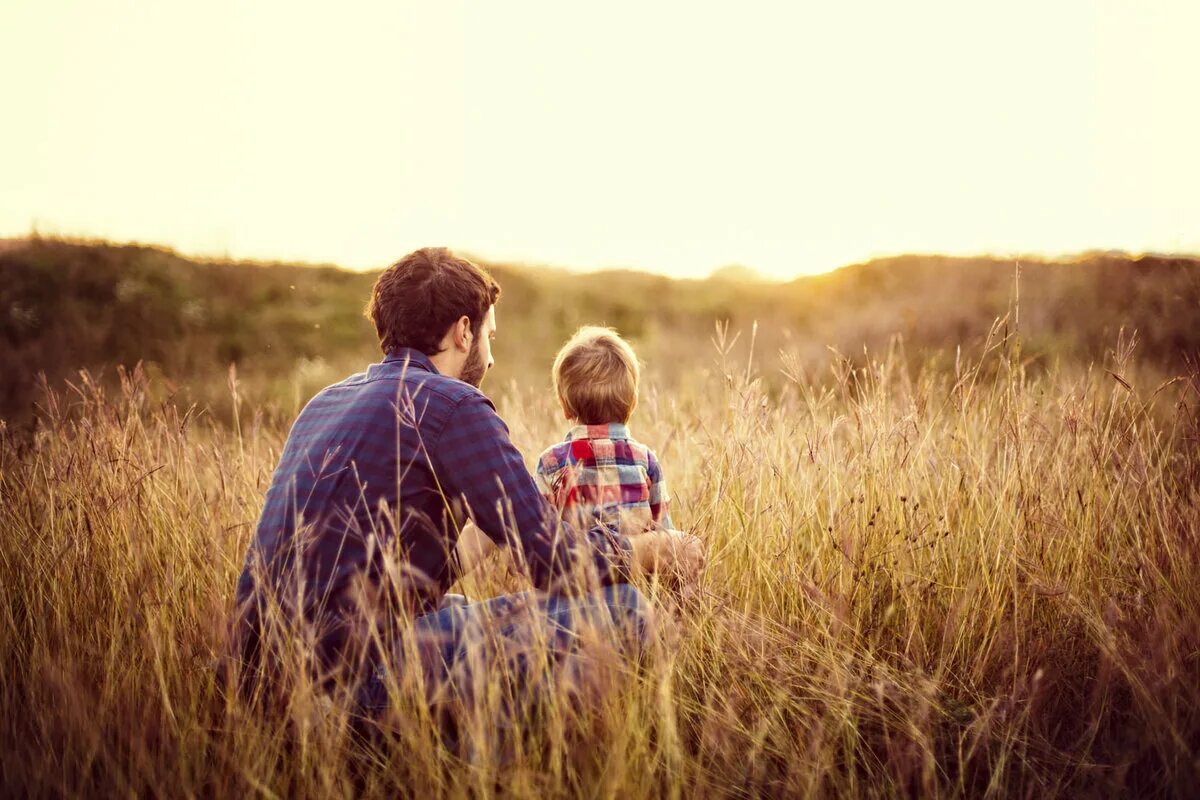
[{"x": 955, "y": 580}]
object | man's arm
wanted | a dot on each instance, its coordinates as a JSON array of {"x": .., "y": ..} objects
[
  {"x": 652, "y": 550},
  {"x": 475, "y": 461}
]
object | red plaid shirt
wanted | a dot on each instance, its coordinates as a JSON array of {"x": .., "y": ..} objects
[{"x": 601, "y": 470}]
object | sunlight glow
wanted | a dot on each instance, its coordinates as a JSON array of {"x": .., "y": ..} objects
[{"x": 788, "y": 137}]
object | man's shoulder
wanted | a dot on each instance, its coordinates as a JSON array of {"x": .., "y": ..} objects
[
  {"x": 424, "y": 399},
  {"x": 393, "y": 379},
  {"x": 451, "y": 390}
]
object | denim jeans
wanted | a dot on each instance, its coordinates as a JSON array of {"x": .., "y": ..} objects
[{"x": 515, "y": 642}]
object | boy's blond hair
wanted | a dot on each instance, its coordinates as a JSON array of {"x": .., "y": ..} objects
[{"x": 596, "y": 376}]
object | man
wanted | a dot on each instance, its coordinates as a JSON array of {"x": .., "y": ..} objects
[{"x": 359, "y": 536}]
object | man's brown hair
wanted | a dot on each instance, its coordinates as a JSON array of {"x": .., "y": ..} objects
[
  {"x": 417, "y": 299},
  {"x": 596, "y": 377}
]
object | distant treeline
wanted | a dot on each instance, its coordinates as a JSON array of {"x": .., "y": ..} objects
[{"x": 66, "y": 306}]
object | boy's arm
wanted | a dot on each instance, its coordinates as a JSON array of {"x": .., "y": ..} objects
[
  {"x": 660, "y": 498},
  {"x": 544, "y": 479}
]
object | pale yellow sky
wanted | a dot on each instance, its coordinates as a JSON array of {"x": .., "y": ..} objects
[{"x": 678, "y": 137}]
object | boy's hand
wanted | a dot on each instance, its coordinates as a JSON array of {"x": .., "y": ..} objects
[{"x": 674, "y": 555}]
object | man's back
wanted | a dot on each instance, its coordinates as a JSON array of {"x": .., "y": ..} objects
[{"x": 356, "y": 478}]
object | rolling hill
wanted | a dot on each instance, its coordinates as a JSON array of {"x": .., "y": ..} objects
[{"x": 288, "y": 328}]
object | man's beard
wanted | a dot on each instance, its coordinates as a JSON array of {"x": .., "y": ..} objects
[{"x": 474, "y": 369}]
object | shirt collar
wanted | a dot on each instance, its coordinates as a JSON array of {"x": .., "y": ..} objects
[
  {"x": 611, "y": 430},
  {"x": 415, "y": 358}
]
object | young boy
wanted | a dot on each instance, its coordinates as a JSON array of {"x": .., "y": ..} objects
[{"x": 600, "y": 471}]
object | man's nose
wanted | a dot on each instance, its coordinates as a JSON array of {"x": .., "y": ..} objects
[{"x": 491, "y": 362}]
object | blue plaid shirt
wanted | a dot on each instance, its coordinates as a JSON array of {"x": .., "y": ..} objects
[{"x": 374, "y": 483}]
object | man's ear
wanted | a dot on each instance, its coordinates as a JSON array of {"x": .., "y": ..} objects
[{"x": 462, "y": 333}]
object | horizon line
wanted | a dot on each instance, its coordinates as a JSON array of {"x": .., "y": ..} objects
[{"x": 749, "y": 274}]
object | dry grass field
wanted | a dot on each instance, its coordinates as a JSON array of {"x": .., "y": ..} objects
[{"x": 955, "y": 571}]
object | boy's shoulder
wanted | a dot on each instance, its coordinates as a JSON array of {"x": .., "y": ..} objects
[
  {"x": 579, "y": 449},
  {"x": 554, "y": 457},
  {"x": 639, "y": 450},
  {"x": 641, "y": 454}
]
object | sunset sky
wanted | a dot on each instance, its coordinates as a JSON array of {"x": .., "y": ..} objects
[{"x": 677, "y": 137}]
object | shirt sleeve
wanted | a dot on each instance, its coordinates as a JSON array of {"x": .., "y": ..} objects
[
  {"x": 660, "y": 498},
  {"x": 477, "y": 464},
  {"x": 544, "y": 480}
]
